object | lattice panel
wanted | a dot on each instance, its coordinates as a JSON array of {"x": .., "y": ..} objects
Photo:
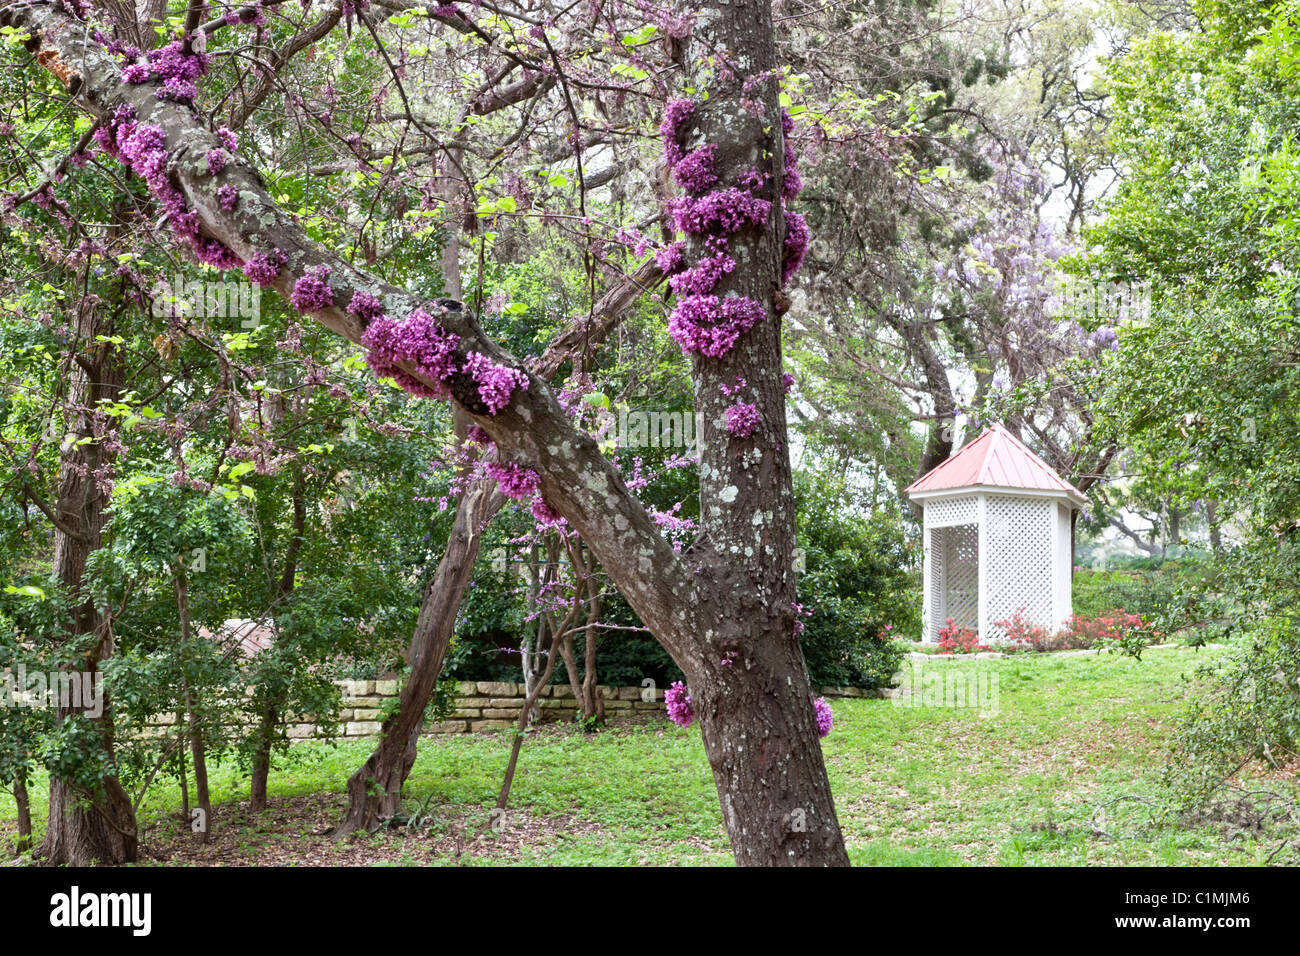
[
  {"x": 1020, "y": 561},
  {"x": 943, "y": 512},
  {"x": 955, "y": 575},
  {"x": 934, "y": 564}
]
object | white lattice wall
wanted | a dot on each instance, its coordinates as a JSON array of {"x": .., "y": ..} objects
[
  {"x": 944, "y": 512},
  {"x": 1019, "y": 537},
  {"x": 1024, "y": 566}
]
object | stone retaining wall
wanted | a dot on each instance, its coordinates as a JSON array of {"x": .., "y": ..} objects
[{"x": 496, "y": 705}]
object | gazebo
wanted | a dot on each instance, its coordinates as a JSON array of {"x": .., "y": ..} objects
[{"x": 996, "y": 521}]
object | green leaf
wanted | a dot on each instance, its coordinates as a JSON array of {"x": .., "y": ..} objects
[{"x": 26, "y": 590}]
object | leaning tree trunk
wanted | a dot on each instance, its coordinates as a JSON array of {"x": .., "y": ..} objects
[
  {"x": 99, "y": 826},
  {"x": 375, "y": 790}
]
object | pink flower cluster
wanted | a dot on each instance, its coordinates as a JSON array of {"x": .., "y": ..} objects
[
  {"x": 312, "y": 292},
  {"x": 709, "y": 325},
  {"x": 365, "y": 306},
  {"x": 669, "y": 258},
  {"x": 676, "y": 113},
  {"x": 678, "y": 704},
  {"x": 721, "y": 211},
  {"x": 419, "y": 340},
  {"x": 496, "y": 383},
  {"x": 516, "y": 481},
  {"x": 825, "y": 716},
  {"x": 703, "y": 276},
  {"x": 797, "y": 234},
  {"x": 176, "y": 69},
  {"x": 143, "y": 149},
  {"x": 694, "y": 171},
  {"x": 797, "y": 237},
  {"x": 743, "y": 419},
  {"x": 264, "y": 268},
  {"x": 703, "y": 322}
]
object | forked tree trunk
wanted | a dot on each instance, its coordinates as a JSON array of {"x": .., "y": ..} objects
[
  {"x": 375, "y": 790},
  {"x": 730, "y": 597}
]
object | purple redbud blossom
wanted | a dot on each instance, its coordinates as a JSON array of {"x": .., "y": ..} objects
[
  {"x": 678, "y": 704},
  {"x": 709, "y": 326},
  {"x": 264, "y": 268},
  {"x": 312, "y": 292},
  {"x": 797, "y": 237},
  {"x": 825, "y": 716},
  {"x": 496, "y": 383},
  {"x": 676, "y": 112},
  {"x": 365, "y": 306},
  {"x": 515, "y": 481},
  {"x": 419, "y": 340},
  {"x": 228, "y": 197},
  {"x": 694, "y": 171},
  {"x": 721, "y": 211},
  {"x": 703, "y": 277},
  {"x": 669, "y": 258},
  {"x": 743, "y": 419}
]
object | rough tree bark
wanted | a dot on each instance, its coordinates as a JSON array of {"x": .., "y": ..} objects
[
  {"x": 23, "y": 803},
  {"x": 724, "y": 611},
  {"x": 98, "y": 826}
]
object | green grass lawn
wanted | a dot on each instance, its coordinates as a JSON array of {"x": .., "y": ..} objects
[{"x": 915, "y": 785}]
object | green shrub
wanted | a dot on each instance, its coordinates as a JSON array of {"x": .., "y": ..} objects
[
  {"x": 860, "y": 584},
  {"x": 1253, "y": 713}
]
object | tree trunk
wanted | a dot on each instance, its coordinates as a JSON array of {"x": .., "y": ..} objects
[
  {"x": 198, "y": 752},
  {"x": 99, "y": 826},
  {"x": 1216, "y": 529},
  {"x": 375, "y": 790},
  {"x": 593, "y": 706},
  {"x": 760, "y": 735},
  {"x": 744, "y": 665},
  {"x": 270, "y": 716},
  {"x": 24, "y": 814}
]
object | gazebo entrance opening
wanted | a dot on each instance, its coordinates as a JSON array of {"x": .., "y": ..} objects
[{"x": 955, "y": 590}]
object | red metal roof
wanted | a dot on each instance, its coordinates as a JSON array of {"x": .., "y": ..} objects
[{"x": 996, "y": 459}]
